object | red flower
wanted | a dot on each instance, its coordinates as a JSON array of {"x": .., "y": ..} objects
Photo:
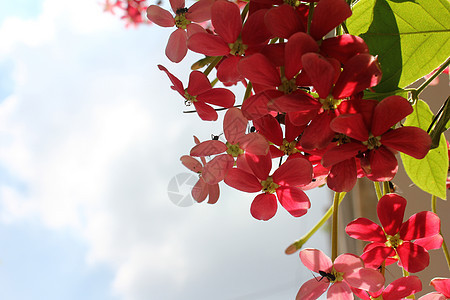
[
  {"x": 396, "y": 236},
  {"x": 284, "y": 182},
  {"x": 442, "y": 287},
  {"x": 238, "y": 142},
  {"x": 396, "y": 290},
  {"x": 199, "y": 92},
  {"x": 176, "y": 48}
]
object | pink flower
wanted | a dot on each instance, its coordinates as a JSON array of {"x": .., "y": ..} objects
[
  {"x": 346, "y": 272},
  {"x": 199, "y": 92},
  {"x": 397, "y": 237},
  {"x": 200, "y": 11},
  {"x": 442, "y": 287},
  {"x": 238, "y": 142}
]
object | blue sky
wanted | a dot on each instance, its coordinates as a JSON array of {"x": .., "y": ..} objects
[{"x": 90, "y": 137}]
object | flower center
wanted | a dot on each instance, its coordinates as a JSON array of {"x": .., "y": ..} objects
[
  {"x": 373, "y": 142},
  {"x": 293, "y": 3},
  {"x": 393, "y": 240},
  {"x": 333, "y": 276},
  {"x": 234, "y": 149},
  {"x": 237, "y": 48},
  {"x": 289, "y": 147},
  {"x": 268, "y": 186},
  {"x": 189, "y": 99},
  {"x": 329, "y": 103},
  {"x": 180, "y": 18},
  {"x": 341, "y": 139},
  {"x": 287, "y": 86}
]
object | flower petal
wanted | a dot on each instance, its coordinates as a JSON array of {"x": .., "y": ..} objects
[
  {"x": 320, "y": 71},
  {"x": 351, "y": 125},
  {"x": 264, "y": 207},
  {"x": 200, "y": 191},
  {"x": 208, "y": 44},
  {"x": 243, "y": 181},
  {"x": 294, "y": 200},
  {"x": 340, "y": 290},
  {"x": 213, "y": 193},
  {"x": 343, "y": 47},
  {"x": 226, "y": 19},
  {"x": 365, "y": 230},
  {"x": 409, "y": 140},
  {"x": 365, "y": 279},
  {"x": 328, "y": 14},
  {"x": 318, "y": 134},
  {"x": 389, "y": 112},
  {"x": 283, "y": 21},
  {"x": 315, "y": 260},
  {"x": 269, "y": 127},
  {"x": 420, "y": 225},
  {"x": 293, "y": 172},
  {"x": 259, "y": 164},
  {"x": 382, "y": 165},
  {"x": 258, "y": 69},
  {"x": 341, "y": 153},
  {"x": 347, "y": 262},
  {"x": 298, "y": 44},
  {"x": 390, "y": 210},
  {"x": 218, "y": 96},
  {"x": 254, "y": 143},
  {"x": 234, "y": 125},
  {"x": 191, "y": 163},
  {"x": 160, "y": 16},
  {"x": 177, "y": 84},
  {"x": 200, "y": 11},
  {"x": 312, "y": 289},
  {"x": 198, "y": 83},
  {"x": 205, "y": 112},
  {"x": 414, "y": 258},
  {"x": 343, "y": 175},
  {"x": 430, "y": 243},
  {"x": 402, "y": 288},
  {"x": 442, "y": 285},
  {"x": 374, "y": 256},
  {"x": 217, "y": 168},
  {"x": 176, "y": 48}
]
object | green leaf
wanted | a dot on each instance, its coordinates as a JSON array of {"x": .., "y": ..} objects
[
  {"x": 429, "y": 173},
  {"x": 410, "y": 37},
  {"x": 380, "y": 96}
]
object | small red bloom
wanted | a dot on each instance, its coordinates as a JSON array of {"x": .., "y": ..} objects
[
  {"x": 442, "y": 287},
  {"x": 396, "y": 290},
  {"x": 199, "y": 92},
  {"x": 396, "y": 237}
]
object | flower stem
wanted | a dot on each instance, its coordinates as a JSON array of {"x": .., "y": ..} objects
[
  {"x": 419, "y": 90},
  {"x": 212, "y": 65},
  {"x": 310, "y": 15},
  {"x": 378, "y": 190},
  {"x": 297, "y": 245},
  {"x": 245, "y": 11},
  {"x": 444, "y": 245},
  {"x": 386, "y": 187},
  {"x": 334, "y": 233},
  {"x": 248, "y": 91}
]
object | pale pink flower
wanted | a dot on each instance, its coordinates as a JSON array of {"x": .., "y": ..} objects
[
  {"x": 346, "y": 272},
  {"x": 442, "y": 287}
]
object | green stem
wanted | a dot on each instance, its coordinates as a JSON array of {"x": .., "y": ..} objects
[
  {"x": 310, "y": 15},
  {"x": 344, "y": 27},
  {"x": 334, "y": 233},
  {"x": 248, "y": 91},
  {"x": 212, "y": 65},
  {"x": 419, "y": 90},
  {"x": 378, "y": 190},
  {"x": 299, "y": 243},
  {"x": 386, "y": 187},
  {"x": 245, "y": 11},
  {"x": 444, "y": 245}
]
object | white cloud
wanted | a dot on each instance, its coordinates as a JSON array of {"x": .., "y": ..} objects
[{"x": 94, "y": 134}]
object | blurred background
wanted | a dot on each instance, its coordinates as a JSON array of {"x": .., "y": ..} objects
[{"x": 90, "y": 140}]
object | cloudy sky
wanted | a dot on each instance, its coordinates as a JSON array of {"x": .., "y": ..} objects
[{"x": 90, "y": 138}]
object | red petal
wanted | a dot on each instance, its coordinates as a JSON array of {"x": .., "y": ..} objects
[
  {"x": 269, "y": 127},
  {"x": 176, "y": 4},
  {"x": 218, "y": 96},
  {"x": 318, "y": 134},
  {"x": 343, "y": 47},
  {"x": 341, "y": 153},
  {"x": 409, "y": 140},
  {"x": 176, "y": 48},
  {"x": 442, "y": 285},
  {"x": 366, "y": 230},
  {"x": 227, "y": 71},
  {"x": 383, "y": 165},
  {"x": 366, "y": 279},
  {"x": 200, "y": 191},
  {"x": 351, "y": 125},
  {"x": 389, "y": 112},
  {"x": 360, "y": 72},
  {"x": 390, "y": 210},
  {"x": 243, "y": 181},
  {"x": 160, "y": 16},
  {"x": 294, "y": 200},
  {"x": 420, "y": 225},
  {"x": 320, "y": 71},
  {"x": 293, "y": 172},
  {"x": 198, "y": 83},
  {"x": 328, "y": 14},
  {"x": 414, "y": 258},
  {"x": 402, "y": 288},
  {"x": 213, "y": 193},
  {"x": 234, "y": 125},
  {"x": 340, "y": 290},
  {"x": 177, "y": 85},
  {"x": 312, "y": 289},
  {"x": 375, "y": 256},
  {"x": 299, "y": 44},
  {"x": 315, "y": 260},
  {"x": 298, "y": 101},
  {"x": 343, "y": 175},
  {"x": 208, "y": 44},
  {"x": 254, "y": 143},
  {"x": 264, "y": 207},
  {"x": 283, "y": 21},
  {"x": 205, "y": 112},
  {"x": 208, "y": 148},
  {"x": 226, "y": 19},
  {"x": 260, "y": 164},
  {"x": 255, "y": 30},
  {"x": 217, "y": 168},
  {"x": 200, "y": 11},
  {"x": 191, "y": 163},
  {"x": 255, "y": 106},
  {"x": 258, "y": 69},
  {"x": 430, "y": 243}
]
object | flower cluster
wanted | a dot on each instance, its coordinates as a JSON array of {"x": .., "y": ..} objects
[
  {"x": 132, "y": 10},
  {"x": 306, "y": 120}
]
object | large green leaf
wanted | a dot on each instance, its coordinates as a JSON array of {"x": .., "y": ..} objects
[
  {"x": 429, "y": 173},
  {"x": 410, "y": 37}
]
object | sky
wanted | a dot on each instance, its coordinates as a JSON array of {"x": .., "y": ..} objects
[{"x": 90, "y": 140}]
